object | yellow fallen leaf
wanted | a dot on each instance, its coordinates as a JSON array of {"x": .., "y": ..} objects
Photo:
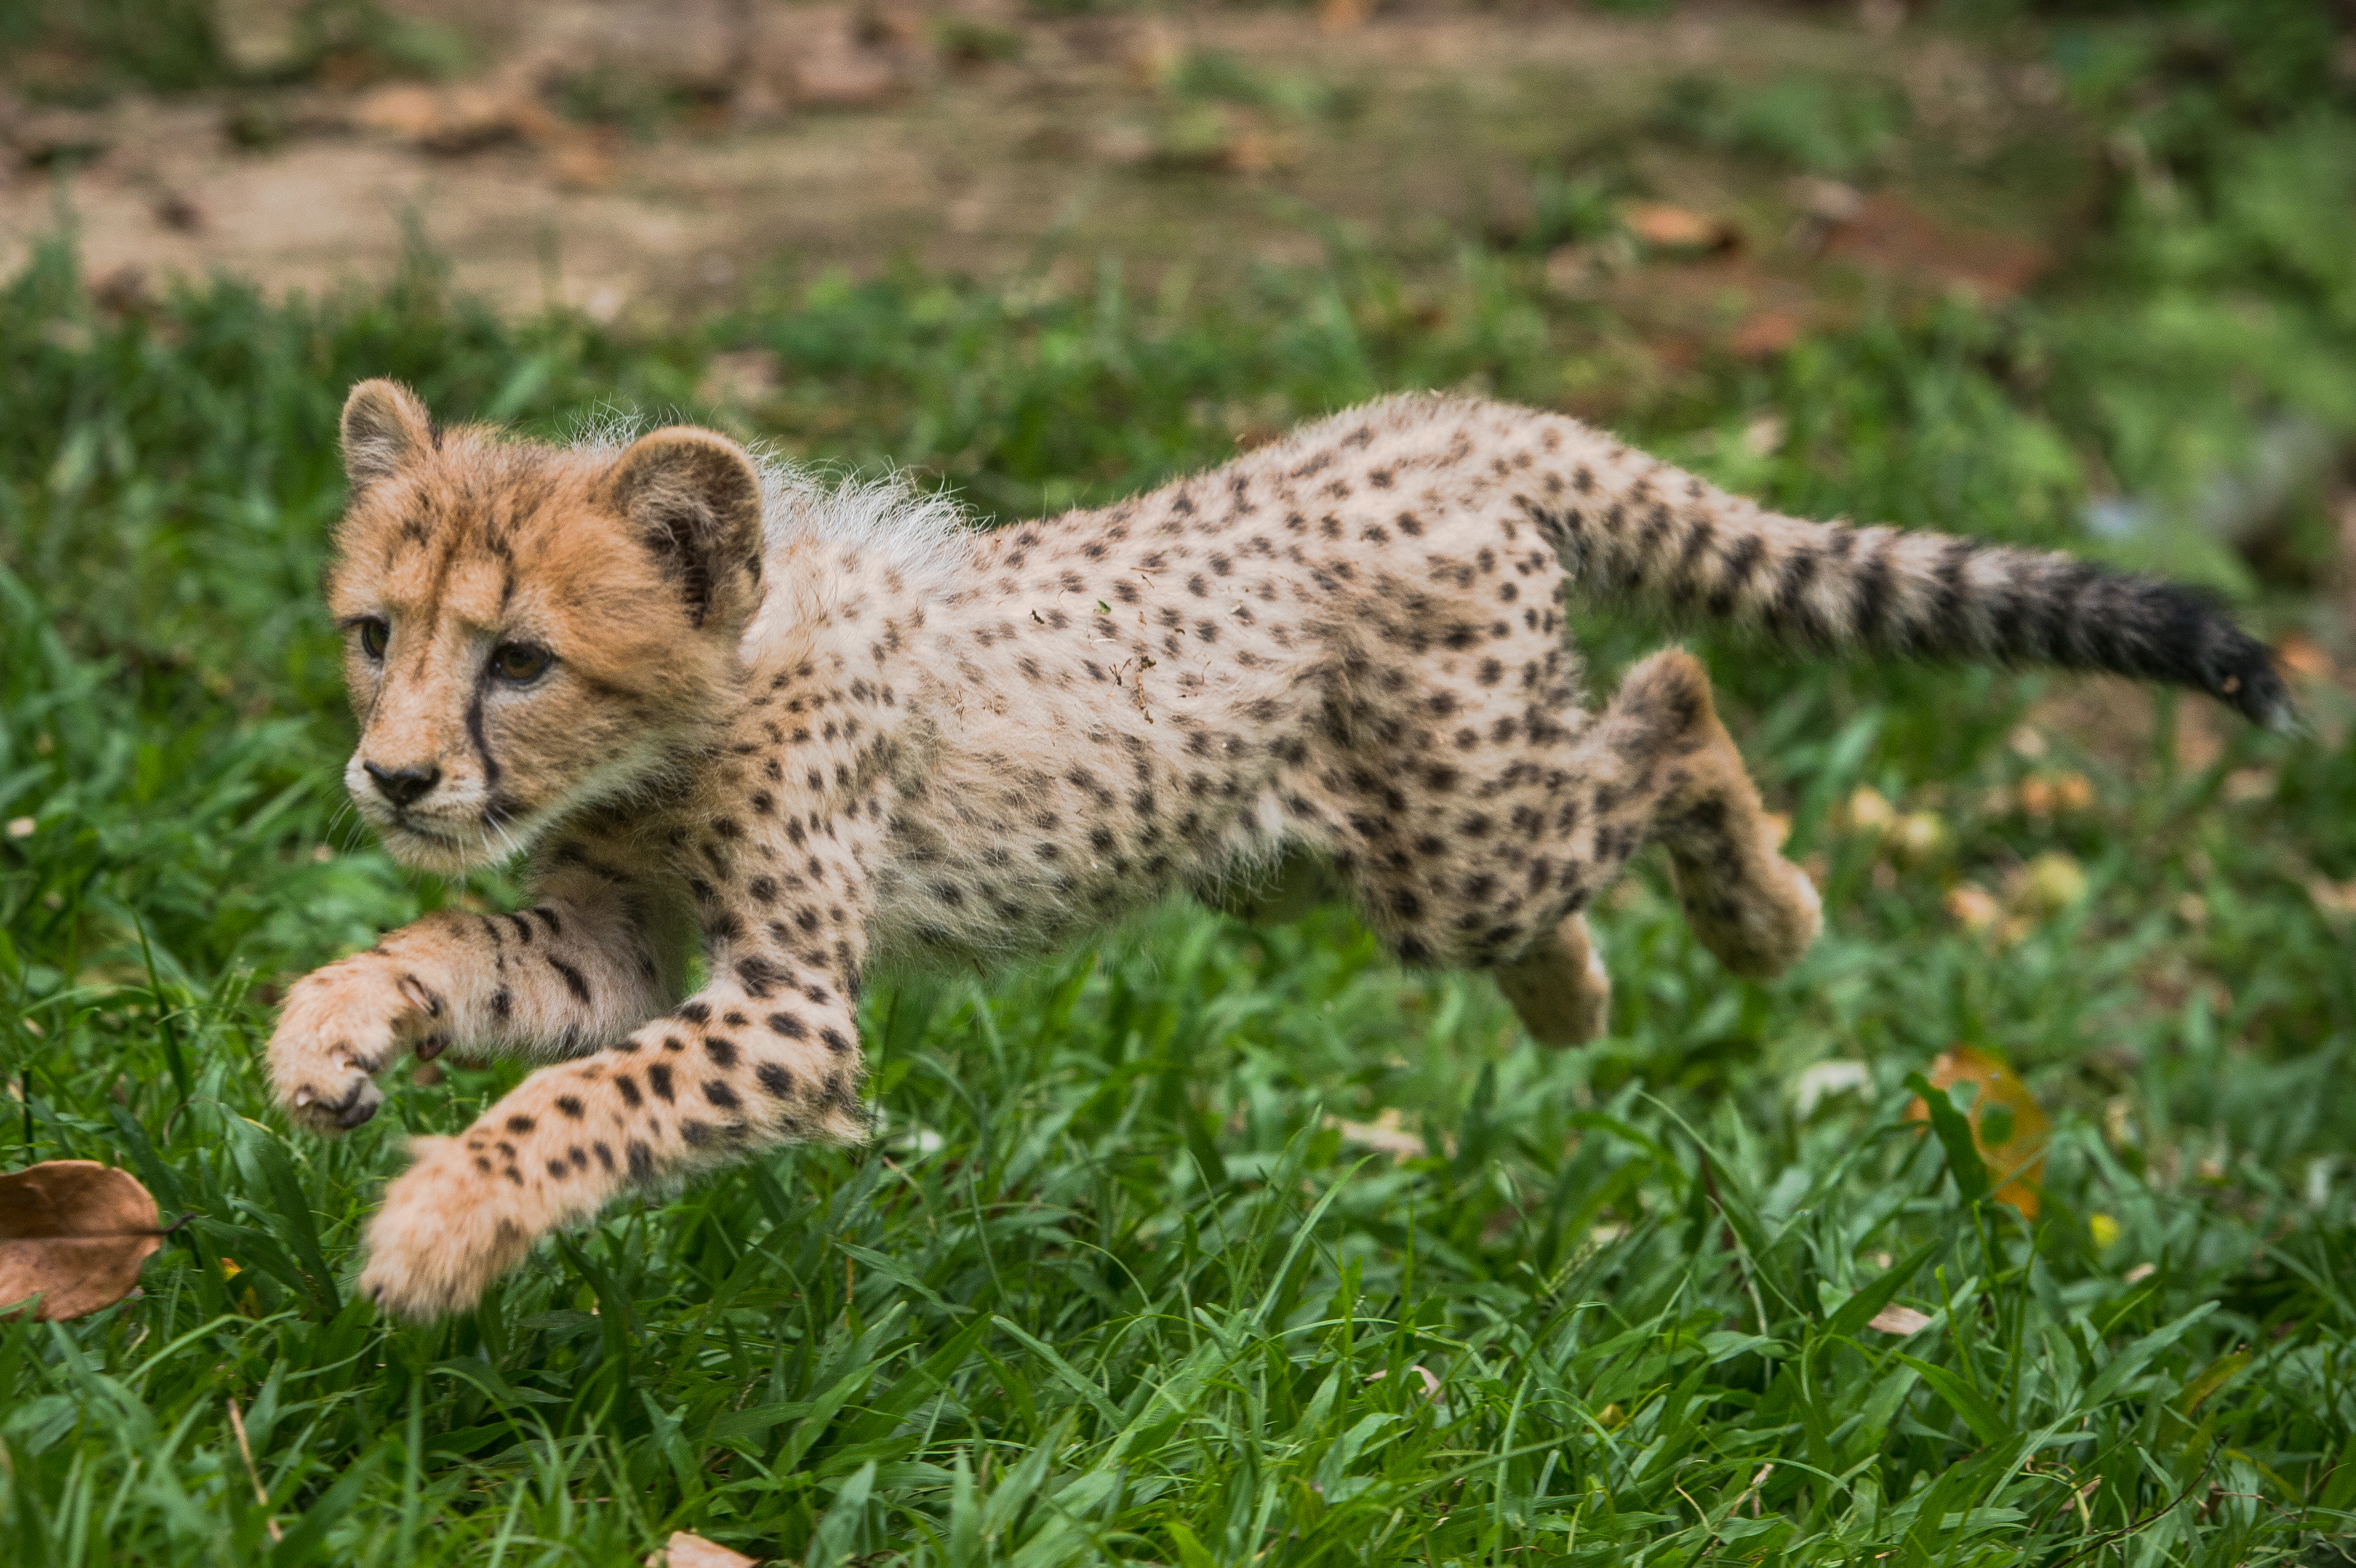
[
  {"x": 2048, "y": 885},
  {"x": 1870, "y": 812},
  {"x": 1918, "y": 839},
  {"x": 1973, "y": 906},
  {"x": 2008, "y": 1127}
]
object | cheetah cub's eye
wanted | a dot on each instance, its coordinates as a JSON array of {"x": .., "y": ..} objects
[
  {"x": 374, "y": 634},
  {"x": 520, "y": 663}
]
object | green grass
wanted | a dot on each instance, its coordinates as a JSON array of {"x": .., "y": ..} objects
[{"x": 1113, "y": 1283}]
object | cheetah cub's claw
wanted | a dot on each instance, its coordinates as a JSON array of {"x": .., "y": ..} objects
[
  {"x": 341, "y": 1026},
  {"x": 443, "y": 1234}
]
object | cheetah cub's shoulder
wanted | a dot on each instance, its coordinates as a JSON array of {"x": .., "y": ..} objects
[{"x": 813, "y": 728}]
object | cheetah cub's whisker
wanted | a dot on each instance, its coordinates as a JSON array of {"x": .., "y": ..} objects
[{"x": 817, "y": 728}]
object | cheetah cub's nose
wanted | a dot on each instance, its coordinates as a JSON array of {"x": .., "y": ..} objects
[{"x": 403, "y": 786}]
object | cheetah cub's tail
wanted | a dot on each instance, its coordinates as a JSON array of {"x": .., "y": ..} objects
[{"x": 1628, "y": 528}]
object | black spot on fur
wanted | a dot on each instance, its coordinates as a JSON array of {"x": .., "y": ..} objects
[
  {"x": 758, "y": 975},
  {"x": 574, "y": 981}
]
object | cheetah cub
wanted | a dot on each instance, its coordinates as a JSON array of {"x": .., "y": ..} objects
[{"x": 820, "y": 727}]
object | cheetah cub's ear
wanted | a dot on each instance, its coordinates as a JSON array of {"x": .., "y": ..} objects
[
  {"x": 385, "y": 428},
  {"x": 693, "y": 497}
]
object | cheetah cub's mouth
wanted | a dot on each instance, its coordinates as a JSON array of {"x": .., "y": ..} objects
[{"x": 531, "y": 631}]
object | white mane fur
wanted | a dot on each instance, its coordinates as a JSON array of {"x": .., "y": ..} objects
[{"x": 923, "y": 533}]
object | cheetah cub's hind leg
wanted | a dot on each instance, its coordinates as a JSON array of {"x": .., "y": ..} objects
[
  {"x": 1559, "y": 988},
  {"x": 1754, "y": 910},
  {"x": 1657, "y": 767}
]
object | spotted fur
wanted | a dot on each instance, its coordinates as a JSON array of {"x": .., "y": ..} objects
[{"x": 815, "y": 730}]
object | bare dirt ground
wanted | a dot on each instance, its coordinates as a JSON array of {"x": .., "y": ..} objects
[{"x": 616, "y": 156}]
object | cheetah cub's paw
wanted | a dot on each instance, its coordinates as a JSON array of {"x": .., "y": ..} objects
[
  {"x": 444, "y": 1232},
  {"x": 1757, "y": 927},
  {"x": 342, "y": 1026}
]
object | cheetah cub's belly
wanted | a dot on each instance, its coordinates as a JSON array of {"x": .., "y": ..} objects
[{"x": 825, "y": 727}]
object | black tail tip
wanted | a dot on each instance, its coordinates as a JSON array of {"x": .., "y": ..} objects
[
  {"x": 2189, "y": 638},
  {"x": 2244, "y": 676}
]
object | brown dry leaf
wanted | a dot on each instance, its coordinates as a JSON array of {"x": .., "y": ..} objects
[
  {"x": 459, "y": 118},
  {"x": 2008, "y": 1127},
  {"x": 74, "y": 1232},
  {"x": 833, "y": 56},
  {"x": 1892, "y": 235},
  {"x": 1666, "y": 226},
  {"x": 2243, "y": 785},
  {"x": 1252, "y": 152},
  {"x": 2305, "y": 657},
  {"x": 1580, "y": 272},
  {"x": 1153, "y": 56},
  {"x": 1343, "y": 15},
  {"x": 685, "y": 1551},
  {"x": 1766, "y": 333},
  {"x": 1899, "y": 1320},
  {"x": 1829, "y": 202},
  {"x": 580, "y": 159},
  {"x": 2044, "y": 794}
]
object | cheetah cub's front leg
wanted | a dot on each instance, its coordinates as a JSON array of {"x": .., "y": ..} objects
[
  {"x": 569, "y": 975},
  {"x": 766, "y": 1053}
]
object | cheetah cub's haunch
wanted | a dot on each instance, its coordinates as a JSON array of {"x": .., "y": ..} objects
[{"x": 821, "y": 728}]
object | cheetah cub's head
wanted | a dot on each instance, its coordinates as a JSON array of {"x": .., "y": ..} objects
[{"x": 529, "y": 630}]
